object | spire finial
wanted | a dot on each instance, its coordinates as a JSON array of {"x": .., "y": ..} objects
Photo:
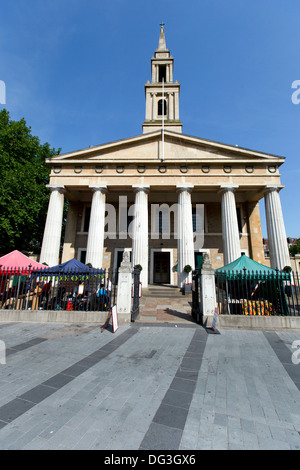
[{"x": 162, "y": 40}]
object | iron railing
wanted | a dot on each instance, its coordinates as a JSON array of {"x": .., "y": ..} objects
[
  {"x": 74, "y": 289},
  {"x": 136, "y": 294},
  {"x": 196, "y": 296},
  {"x": 258, "y": 293}
]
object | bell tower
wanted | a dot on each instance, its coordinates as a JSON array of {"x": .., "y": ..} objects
[{"x": 162, "y": 94}]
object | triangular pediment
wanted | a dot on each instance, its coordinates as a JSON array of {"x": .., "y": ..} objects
[{"x": 171, "y": 147}]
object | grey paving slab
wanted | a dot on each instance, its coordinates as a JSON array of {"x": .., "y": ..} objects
[
  {"x": 161, "y": 437},
  {"x": 148, "y": 386}
]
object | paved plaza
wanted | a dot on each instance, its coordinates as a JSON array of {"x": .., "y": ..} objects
[{"x": 162, "y": 386}]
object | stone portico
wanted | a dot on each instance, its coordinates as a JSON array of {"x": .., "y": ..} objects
[{"x": 164, "y": 196}]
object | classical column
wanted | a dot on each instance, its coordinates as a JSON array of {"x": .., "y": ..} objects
[
  {"x": 148, "y": 107},
  {"x": 95, "y": 243},
  {"x": 255, "y": 232},
  {"x": 230, "y": 229},
  {"x": 168, "y": 73},
  {"x": 70, "y": 233},
  {"x": 279, "y": 253},
  {"x": 153, "y": 76},
  {"x": 140, "y": 253},
  {"x": 185, "y": 236},
  {"x": 154, "y": 110},
  {"x": 171, "y": 106},
  {"x": 52, "y": 233},
  {"x": 176, "y": 106}
]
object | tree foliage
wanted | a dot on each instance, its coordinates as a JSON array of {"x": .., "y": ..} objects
[
  {"x": 23, "y": 193},
  {"x": 295, "y": 249}
]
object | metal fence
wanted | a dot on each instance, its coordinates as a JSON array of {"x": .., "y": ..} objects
[
  {"x": 74, "y": 289},
  {"x": 258, "y": 293},
  {"x": 196, "y": 296},
  {"x": 136, "y": 294}
]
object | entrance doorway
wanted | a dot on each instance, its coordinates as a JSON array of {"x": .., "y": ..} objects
[{"x": 161, "y": 267}]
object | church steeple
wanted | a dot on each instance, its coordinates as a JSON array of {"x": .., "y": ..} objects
[{"x": 162, "y": 94}]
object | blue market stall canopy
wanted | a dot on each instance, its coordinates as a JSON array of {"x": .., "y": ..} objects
[
  {"x": 247, "y": 268},
  {"x": 71, "y": 266}
]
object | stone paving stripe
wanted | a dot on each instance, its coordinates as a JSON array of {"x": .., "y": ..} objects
[
  {"x": 168, "y": 415},
  {"x": 19, "y": 405},
  {"x": 182, "y": 385},
  {"x": 166, "y": 429},
  {"x": 58, "y": 380},
  {"x": 285, "y": 356},
  {"x": 37, "y": 394},
  {"x": 161, "y": 437},
  {"x": 26, "y": 345},
  {"x": 14, "y": 409}
]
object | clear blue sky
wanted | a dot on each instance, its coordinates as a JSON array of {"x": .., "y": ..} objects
[{"x": 76, "y": 69}]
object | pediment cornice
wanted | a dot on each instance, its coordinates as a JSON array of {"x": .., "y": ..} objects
[{"x": 178, "y": 147}]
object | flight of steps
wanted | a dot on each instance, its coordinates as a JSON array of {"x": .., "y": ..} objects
[{"x": 163, "y": 303}]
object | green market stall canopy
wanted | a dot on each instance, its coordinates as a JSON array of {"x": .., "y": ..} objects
[{"x": 247, "y": 268}]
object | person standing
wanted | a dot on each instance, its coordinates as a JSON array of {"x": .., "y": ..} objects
[{"x": 109, "y": 287}]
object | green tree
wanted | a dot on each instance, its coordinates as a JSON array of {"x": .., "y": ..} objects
[
  {"x": 23, "y": 193},
  {"x": 294, "y": 249}
]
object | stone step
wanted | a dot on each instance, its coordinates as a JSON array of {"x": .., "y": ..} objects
[
  {"x": 162, "y": 291},
  {"x": 160, "y": 303},
  {"x": 175, "y": 297},
  {"x": 163, "y": 295}
]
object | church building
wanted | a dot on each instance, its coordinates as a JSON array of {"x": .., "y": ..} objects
[{"x": 164, "y": 196}]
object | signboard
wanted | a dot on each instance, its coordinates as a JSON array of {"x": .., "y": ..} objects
[
  {"x": 215, "y": 319},
  {"x": 80, "y": 289},
  {"x": 112, "y": 314},
  {"x": 114, "y": 318}
]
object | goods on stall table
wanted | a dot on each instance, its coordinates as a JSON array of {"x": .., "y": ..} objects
[{"x": 257, "y": 307}]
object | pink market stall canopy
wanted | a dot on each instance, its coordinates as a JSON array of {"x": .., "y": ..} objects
[{"x": 18, "y": 263}]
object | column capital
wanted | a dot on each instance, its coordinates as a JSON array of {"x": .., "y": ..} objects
[
  {"x": 184, "y": 187},
  {"x": 273, "y": 187},
  {"x": 56, "y": 187},
  {"x": 228, "y": 187},
  {"x": 102, "y": 188},
  {"x": 141, "y": 187}
]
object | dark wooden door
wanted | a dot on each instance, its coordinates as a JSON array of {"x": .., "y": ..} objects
[{"x": 162, "y": 268}]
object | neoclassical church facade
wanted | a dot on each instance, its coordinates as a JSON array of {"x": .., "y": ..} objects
[{"x": 164, "y": 196}]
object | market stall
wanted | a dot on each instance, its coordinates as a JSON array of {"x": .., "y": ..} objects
[
  {"x": 250, "y": 288},
  {"x": 68, "y": 286},
  {"x": 15, "y": 271}
]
